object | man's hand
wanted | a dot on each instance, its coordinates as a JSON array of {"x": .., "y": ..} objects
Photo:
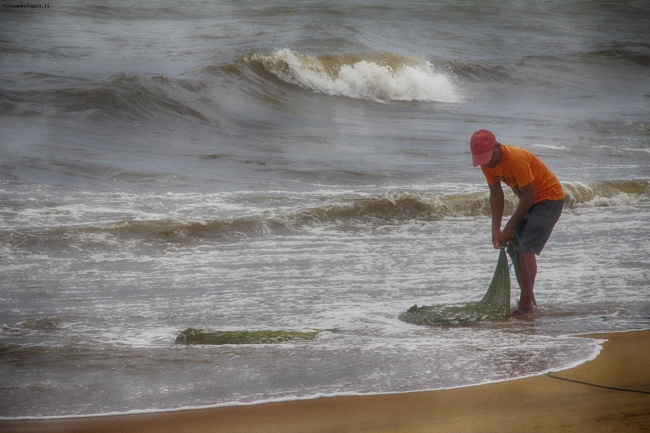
[
  {"x": 497, "y": 237},
  {"x": 500, "y": 238},
  {"x": 508, "y": 234}
]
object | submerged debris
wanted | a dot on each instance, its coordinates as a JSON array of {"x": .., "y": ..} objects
[{"x": 203, "y": 336}]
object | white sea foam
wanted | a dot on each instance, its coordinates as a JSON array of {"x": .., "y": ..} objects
[
  {"x": 550, "y": 146},
  {"x": 364, "y": 79}
]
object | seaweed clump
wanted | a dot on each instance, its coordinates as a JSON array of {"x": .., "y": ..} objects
[{"x": 203, "y": 336}]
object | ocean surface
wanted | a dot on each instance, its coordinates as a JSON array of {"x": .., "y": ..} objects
[{"x": 304, "y": 165}]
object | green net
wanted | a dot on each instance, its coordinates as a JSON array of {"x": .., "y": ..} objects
[{"x": 495, "y": 305}]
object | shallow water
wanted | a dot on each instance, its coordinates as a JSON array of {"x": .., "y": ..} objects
[{"x": 304, "y": 166}]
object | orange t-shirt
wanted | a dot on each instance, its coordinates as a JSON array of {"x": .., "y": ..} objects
[{"x": 519, "y": 167}]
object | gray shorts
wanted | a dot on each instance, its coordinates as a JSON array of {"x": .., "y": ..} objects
[{"x": 536, "y": 226}]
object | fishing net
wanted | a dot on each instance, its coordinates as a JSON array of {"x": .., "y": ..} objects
[{"x": 495, "y": 305}]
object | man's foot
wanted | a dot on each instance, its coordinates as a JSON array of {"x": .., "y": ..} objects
[
  {"x": 523, "y": 310},
  {"x": 521, "y": 313}
]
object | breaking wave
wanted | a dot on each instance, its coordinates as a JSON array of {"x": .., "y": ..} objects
[
  {"x": 346, "y": 214},
  {"x": 378, "y": 76},
  {"x": 608, "y": 193},
  {"x": 385, "y": 209}
]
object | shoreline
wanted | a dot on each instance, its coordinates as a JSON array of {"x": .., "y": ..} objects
[
  {"x": 593, "y": 356},
  {"x": 536, "y": 402}
]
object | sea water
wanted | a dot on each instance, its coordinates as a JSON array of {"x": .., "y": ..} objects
[{"x": 304, "y": 166}]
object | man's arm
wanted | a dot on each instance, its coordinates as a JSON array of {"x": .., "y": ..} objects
[
  {"x": 496, "y": 206},
  {"x": 525, "y": 204}
]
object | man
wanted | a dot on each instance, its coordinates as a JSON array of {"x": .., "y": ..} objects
[{"x": 541, "y": 199}]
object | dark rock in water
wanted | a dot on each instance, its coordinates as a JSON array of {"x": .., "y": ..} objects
[{"x": 203, "y": 336}]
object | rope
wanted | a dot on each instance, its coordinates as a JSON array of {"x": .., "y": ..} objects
[
  {"x": 523, "y": 253},
  {"x": 597, "y": 385}
]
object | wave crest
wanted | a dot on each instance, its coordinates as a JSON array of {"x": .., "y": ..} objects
[
  {"x": 608, "y": 193},
  {"x": 378, "y": 77},
  {"x": 351, "y": 213},
  {"x": 121, "y": 97},
  {"x": 622, "y": 53},
  {"x": 382, "y": 209}
]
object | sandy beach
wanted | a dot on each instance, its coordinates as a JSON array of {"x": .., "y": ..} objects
[{"x": 540, "y": 404}]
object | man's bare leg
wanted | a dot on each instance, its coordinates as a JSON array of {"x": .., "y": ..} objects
[{"x": 526, "y": 271}]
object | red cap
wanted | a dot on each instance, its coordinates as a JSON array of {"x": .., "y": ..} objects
[{"x": 481, "y": 144}]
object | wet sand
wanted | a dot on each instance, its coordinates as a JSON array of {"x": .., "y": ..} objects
[{"x": 539, "y": 404}]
